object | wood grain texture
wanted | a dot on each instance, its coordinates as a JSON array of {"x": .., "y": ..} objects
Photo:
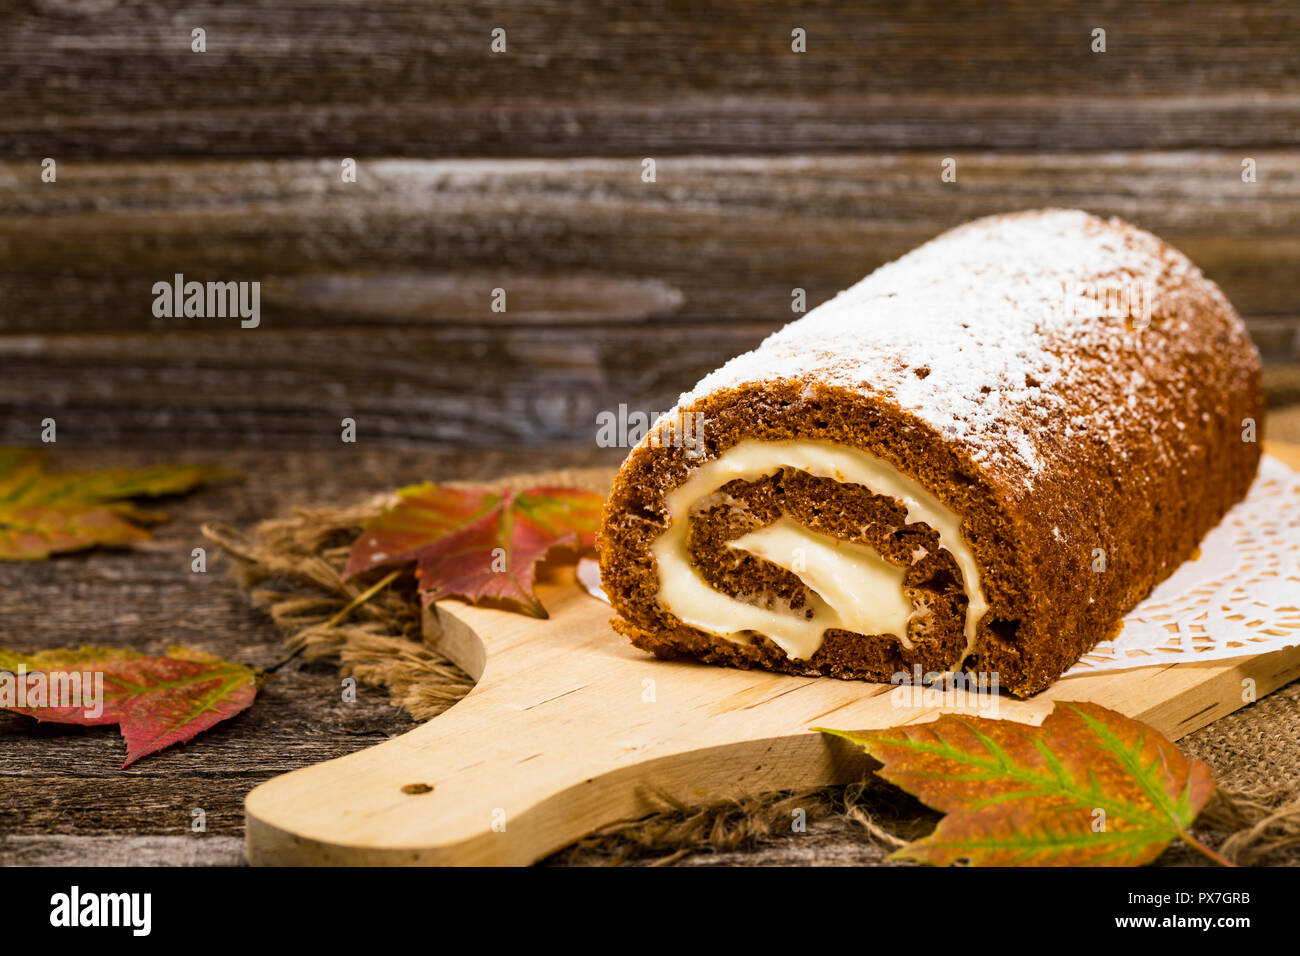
[
  {"x": 586, "y": 242},
  {"x": 376, "y": 295},
  {"x": 124, "y": 850},
  {"x": 401, "y": 77}
]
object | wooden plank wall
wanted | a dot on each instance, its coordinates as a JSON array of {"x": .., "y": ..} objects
[{"x": 522, "y": 171}]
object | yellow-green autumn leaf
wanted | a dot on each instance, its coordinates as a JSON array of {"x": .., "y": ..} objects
[
  {"x": 55, "y": 658},
  {"x": 44, "y": 513},
  {"x": 1090, "y": 787}
]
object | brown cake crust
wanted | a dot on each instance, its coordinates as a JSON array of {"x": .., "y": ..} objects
[{"x": 1133, "y": 447}]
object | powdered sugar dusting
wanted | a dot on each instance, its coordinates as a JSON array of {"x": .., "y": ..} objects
[{"x": 982, "y": 332}]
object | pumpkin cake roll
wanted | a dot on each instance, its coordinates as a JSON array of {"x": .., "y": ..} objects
[{"x": 978, "y": 458}]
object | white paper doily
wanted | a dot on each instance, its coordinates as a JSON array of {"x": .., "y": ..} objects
[{"x": 1239, "y": 597}]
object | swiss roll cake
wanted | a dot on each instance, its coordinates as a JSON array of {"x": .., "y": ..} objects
[{"x": 978, "y": 458}]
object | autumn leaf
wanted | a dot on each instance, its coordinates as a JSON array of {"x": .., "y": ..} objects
[
  {"x": 155, "y": 701},
  {"x": 476, "y": 543},
  {"x": 44, "y": 513},
  {"x": 1090, "y": 787}
]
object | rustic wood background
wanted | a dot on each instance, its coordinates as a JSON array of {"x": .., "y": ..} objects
[{"x": 521, "y": 171}]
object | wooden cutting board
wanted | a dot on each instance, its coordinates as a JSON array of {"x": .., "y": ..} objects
[{"x": 570, "y": 727}]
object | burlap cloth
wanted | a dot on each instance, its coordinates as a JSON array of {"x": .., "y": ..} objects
[{"x": 291, "y": 568}]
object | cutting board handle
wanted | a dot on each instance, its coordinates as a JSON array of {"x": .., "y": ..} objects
[{"x": 556, "y": 739}]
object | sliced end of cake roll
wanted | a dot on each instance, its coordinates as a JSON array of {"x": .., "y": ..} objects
[{"x": 959, "y": 464}]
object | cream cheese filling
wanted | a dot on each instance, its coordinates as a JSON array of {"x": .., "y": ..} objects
[{"x": 851, "y": 586}]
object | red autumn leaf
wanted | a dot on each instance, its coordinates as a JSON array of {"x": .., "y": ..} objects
[
  {"x": 155, "y": 701},
  {"x": 476, "y": 543}
]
